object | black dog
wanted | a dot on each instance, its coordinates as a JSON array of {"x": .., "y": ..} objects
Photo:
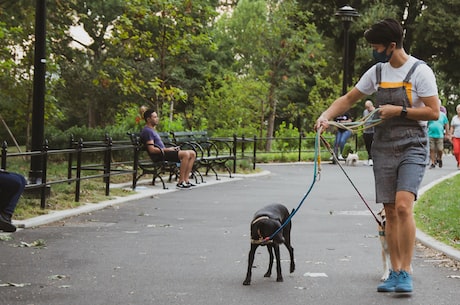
[{"x": 266, "y": 221}]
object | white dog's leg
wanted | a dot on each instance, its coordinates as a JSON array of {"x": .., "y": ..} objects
[{"x": 386, "y": 266}]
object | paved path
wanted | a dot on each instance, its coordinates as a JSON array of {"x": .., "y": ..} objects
[{"x": 190, "y": 247}]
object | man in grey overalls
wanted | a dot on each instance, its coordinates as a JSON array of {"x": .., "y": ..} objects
[{"x": 407, "y": 97}]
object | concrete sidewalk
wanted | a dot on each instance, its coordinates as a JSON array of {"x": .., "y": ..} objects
[{"x": 191, "y": 247}]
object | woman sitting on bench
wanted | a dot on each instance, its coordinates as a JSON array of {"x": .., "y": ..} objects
[{"x": 157, "y": 150}]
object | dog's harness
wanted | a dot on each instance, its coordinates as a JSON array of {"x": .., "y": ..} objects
[{"x": 262, "y": 240}]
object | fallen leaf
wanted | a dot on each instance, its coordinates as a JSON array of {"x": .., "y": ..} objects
[
  {"x": 9, "y": 284},
  {"x": 39, "y": 243},
  {"x": 57, "y": 277},
  {"x": 311, "y": 274}
]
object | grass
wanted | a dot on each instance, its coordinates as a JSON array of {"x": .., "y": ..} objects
[
  {"x": 437, "y": 212},
  {"x": 62, "y": 197}
]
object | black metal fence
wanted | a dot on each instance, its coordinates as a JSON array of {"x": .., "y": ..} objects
[{"x": 107, "y": 158}]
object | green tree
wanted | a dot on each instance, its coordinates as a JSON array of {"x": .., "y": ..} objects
[
  {"x": 87, "y": 94},
  {"x": 437, "y": 40},
  {"x": 17, "y": 27},
  {"x": 275, "y": 43},
  {"x": 162, "y": 44}
]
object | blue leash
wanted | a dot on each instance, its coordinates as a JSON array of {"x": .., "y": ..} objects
[{"x": 317, "y": 158}]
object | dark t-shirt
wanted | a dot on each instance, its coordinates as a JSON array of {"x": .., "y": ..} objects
[
  {"x": 341, "y": 118},
  {"x": 148, "y": 134}
]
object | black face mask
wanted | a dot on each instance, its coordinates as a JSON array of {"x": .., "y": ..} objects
[{"x": 382, "y": 56}]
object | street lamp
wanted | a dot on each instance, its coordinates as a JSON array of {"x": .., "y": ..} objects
[
  {"x": 38, "y": 111},
  {"x": 346, "y": 14}
]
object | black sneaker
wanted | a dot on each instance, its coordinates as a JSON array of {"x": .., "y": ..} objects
[
  {"x": 432, "y": 166},
  {"x": 440, "y": 163},
  {"x": 182, "y": 186},
  {"x": 189, "y": 184},
  {"x": 5, "y": 224}
]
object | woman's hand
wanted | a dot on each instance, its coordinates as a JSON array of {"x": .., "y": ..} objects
[
  {"x": 389, "y": 111},
  {"x": 322, "y": 123}
]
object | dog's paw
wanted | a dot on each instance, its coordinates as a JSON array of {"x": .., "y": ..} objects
[
  {"x": 385, "y": 276},
  {"x": 268, "y": 274},
  {"x": 247, "y": 282},
  {"x": 292, "y": 268},
  {"x": 279, "y": 279}
]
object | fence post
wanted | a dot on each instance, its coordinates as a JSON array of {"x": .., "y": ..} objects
[
  {"x": 107, "y": 163},
  {"x": 69, "y": 167},
  {"x": 4, "y": 154},
  {"x": 300, "y": 146},
  {"x": 44, "y": 155},
  {"x": 254, "y": 153},
  {"x": 78, "y": 175},
  {"x": 135, "y": 143},
  {"x": 234, "y": 152}
]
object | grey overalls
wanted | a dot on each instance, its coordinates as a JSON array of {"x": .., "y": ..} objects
[{"x": 400, "y": 147}]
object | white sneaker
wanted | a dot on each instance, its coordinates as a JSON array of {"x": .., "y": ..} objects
[
  {"x": 340, "y": 158},
  {"x": 370, "y": 162}
]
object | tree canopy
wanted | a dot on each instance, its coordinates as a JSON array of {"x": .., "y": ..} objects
[{"x": 242, "y": 67}]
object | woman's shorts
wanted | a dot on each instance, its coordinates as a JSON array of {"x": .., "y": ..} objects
[{"x": 399, "y": 163}]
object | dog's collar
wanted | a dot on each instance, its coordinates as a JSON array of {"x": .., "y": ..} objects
[
  {"x": 381, "y": 233},
  {"x": 259, "y": 219},
  {"x": 261, "y": 241}
]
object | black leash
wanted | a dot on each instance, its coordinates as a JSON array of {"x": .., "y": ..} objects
[{"x": 346, "y": 175}]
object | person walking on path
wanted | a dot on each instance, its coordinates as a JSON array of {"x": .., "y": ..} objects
[
  {"x": 455, "y": 133},
  {"x": 11, "y": 187},
  {"x": 407, "y": 97},
  {"x": 368, "y": 133},
  {"x": 437, "y": 130},
  {"x": 341, "y": 135}
]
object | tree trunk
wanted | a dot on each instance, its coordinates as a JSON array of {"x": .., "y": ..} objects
[{"x": 271, "y": 117}]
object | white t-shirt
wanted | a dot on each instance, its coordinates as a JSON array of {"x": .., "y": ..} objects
[
  {"x": 422, "y": 83},
  {"x": 455, "y": 123}
]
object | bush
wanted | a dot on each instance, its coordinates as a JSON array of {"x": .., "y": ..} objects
[{"x": 290, "y": 135}]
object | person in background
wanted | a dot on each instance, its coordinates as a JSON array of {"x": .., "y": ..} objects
[
  {"x": 157, "y": 150},
  {"x": 407, "y": 97},
  {"x": 11, "y": 187},
  {"x": 341, "y": 135},
  {"x": 140, "y": 116},
  {"x": 437, "y": 130},
  {"x": 455, "y": 134},
  {"x": 368, "y": 133}
]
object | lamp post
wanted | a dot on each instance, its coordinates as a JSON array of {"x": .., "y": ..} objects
[
  {"x": 346, "y": 14},
  {"x": 38, "y": 111}
]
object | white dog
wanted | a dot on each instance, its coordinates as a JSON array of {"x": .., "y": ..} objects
[
  {"x": 352, "y": 159},
  {"x": 385, "y": 253}
]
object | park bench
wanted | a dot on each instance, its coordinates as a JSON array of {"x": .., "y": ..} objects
[
  {"x": 147, "y": 166},
  {"x": 211, "y": 153}
]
